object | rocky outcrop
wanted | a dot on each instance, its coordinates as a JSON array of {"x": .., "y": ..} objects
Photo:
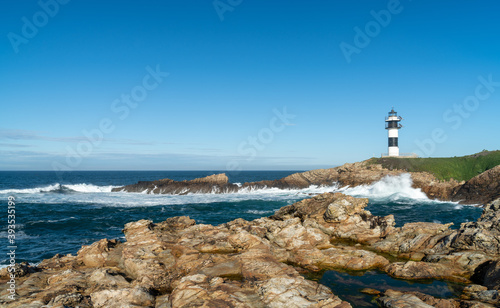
[
  {"x": 365, "y": 173},
  {"x": 413, "y": 240},
  {"x": 398, "y": 299},
  {"x": 482, "y": 235},
  {"x": 434, "y": 250},
  {"x": 482, "y": 294},
  {"x": 354, "y": 174},
  {"x": 216, "y": 183},
  {"x": 178, "y": 263},
  {"x": 488, "y": 274},
  {"x": 346, "y": 175},
  {"x": 325, "y": 177},
  {"x": 425, "y": 270},
  {"x": 482, "y": 189},
  {"x": 434, "y": 188}
]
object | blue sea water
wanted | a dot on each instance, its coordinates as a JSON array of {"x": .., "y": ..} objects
[{"x": 59, "y": 215}]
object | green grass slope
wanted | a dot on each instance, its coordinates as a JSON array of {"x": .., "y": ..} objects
[{"x": 459, "y": 168}]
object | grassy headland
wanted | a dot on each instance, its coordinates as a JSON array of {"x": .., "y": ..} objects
[{"x": 459, "y": 168}]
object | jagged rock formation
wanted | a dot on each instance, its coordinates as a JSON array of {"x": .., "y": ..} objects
[
  {"x": 481, "y": 189},
  {"x": 483, "y": 235},
  {"x": 216, "y": 183},
  {"x": 178, "y": 263}
]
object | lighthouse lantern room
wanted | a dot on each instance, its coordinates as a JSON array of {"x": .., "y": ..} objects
[{"x": 392, "y": 125}]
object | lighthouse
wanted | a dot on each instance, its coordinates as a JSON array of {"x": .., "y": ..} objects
[{"x": 392, "y": 125}]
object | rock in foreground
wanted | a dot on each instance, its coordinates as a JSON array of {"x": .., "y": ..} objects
[{"x": 178, "y": 263}]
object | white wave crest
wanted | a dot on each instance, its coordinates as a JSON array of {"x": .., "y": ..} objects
[
  {"x": 259, "y": 212},
  {"x": 50, "y": 220},
  {"x": 85, "y": 188},
  {"x": 89, "y": 188},
  {"x": 390, "y": 187},
  {"x": 32, "y": 190},
  {"x": 19, "y": 235},
  {"x": 311, "y": 190}
]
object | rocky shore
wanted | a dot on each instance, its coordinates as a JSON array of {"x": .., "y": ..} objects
[
  {"x": 481, "y": 189},
  {"x": 260, "y": 263}
]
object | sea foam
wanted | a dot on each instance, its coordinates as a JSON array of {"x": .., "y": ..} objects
[
  {"x": 84, "y": 188},
  {"x": 391, "y": 188}
]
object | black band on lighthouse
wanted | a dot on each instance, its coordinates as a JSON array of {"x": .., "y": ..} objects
[
  {"x": 392, "y": 124},
  {"x": 393, "y": 142}
]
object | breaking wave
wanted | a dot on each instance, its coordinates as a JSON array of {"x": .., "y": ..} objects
[
  {"x": 60, "y": 188},
  {"x": 397, "y": 189},
  {"x": 389, "y": 189}
]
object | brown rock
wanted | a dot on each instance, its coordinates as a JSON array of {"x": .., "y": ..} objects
[
  {"x": 69, "y": 300},
  {"x": 20, "y": 270},
  {"x": 483, "y": 235},
  {"x": 434, "y": 188},
  {"x": 341, "y": 209},
  {"x": 396, "y": 299},
  {"x": 216, "y": 183},
  {"x": 466, "y": 261},
  {"x": 351, "y": 258},
  {"x": 357, "y": 224},
  {"x": 482, "y": 294},
  {"x": 96, "y": 254},
  {"x": 107, "y": 278},
  {"x": 370, "y": 291},
  {"x": 423, "y": 270},
  {"x": 481, "y": 189},
  {"x": 285, "y": 291},
  {"x": 412, "y": 238},
  {"x": 121, "y": 298}
]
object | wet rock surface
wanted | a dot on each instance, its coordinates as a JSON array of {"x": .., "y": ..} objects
[{"x": 178, "y": 263}]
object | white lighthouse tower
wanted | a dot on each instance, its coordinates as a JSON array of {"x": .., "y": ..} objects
[{"x": 392, "y": 125}]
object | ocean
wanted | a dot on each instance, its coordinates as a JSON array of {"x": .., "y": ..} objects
[{"x": 59, "y": 215}]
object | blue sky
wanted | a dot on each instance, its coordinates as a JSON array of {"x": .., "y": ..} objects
[{"x": 238, "y": 84}]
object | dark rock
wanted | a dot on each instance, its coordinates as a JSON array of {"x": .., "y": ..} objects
[
  {"x": 482, "y": 235},
  {"x": 217, "y": 183},
  {"x": 488, "y": 274},
  {"x": 481, "y": 189},
  {"x": 20, "y": 270}
]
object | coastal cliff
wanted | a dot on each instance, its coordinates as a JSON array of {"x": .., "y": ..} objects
[
  {"x": 480, "y": 189},
  {"x": 259, "y": 263}
]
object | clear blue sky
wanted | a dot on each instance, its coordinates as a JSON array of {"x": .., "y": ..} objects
[{"x": 229, "y": 66}]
